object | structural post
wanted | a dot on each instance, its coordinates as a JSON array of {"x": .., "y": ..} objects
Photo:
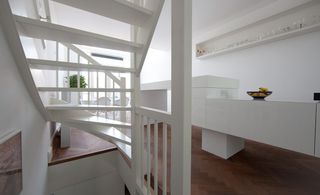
[{"x": 181, "y": 96}]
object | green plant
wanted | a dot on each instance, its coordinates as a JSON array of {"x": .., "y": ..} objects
[{"x": 73, "y": 81}]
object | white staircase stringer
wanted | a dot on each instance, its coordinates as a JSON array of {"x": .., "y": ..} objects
[
  {"x": 54, "y": 32},
  {"x": 107, "y": 133},
  {"x": 90, "y": 60},
  {"x": 120, "y": 10},
  {"x": 12, "y": 36},
  {"x": 148, "y": 32}
]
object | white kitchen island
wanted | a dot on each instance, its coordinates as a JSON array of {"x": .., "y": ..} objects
[
  {"x": 288, "y": 125},
  {"x": 227, "y": 121}
]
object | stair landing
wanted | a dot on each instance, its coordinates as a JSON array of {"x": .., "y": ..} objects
[{"x": 82, "y": 145}]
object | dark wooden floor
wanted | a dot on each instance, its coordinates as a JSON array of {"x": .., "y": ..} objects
[
  {"x": 259, "y": 169},
  {"x": 82, "y": 145}
]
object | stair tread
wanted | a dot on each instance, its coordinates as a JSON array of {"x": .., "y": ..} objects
[
  {"x": 99, "y": 120},
  {"x": 85, "y": 107},
  {"x": 115, "y": 134},
  {"x": 58, "y": 65},
  {"x": 82, "y": 145},
  {"x": 124, "y": 148},
  {"x": 48, "y": 31},
  {"x": 121, "y": 10},
  {"x": 67, "y": 89}
]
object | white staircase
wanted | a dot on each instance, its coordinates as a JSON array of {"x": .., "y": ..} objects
[
  {"x": 107, "y": 115},
  {"x": 90, "y": 115}
]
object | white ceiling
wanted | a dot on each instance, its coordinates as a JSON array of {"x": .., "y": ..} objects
[{"x": 208, "y": 14}]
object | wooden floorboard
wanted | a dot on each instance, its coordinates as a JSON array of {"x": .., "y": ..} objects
[
  {"x": 82, "y": 145},
  {"x": 258, "y": 170}
]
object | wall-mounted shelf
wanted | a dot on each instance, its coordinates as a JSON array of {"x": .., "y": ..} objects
[{"x": 297, "y": 21}]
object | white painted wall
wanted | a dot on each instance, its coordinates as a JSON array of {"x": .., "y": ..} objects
[
  {"x": 157, "y": 66},
  {"x": 290, "y": 68},
  {"x": 96, "y": 175},
  {"x": 17, "y": 111}
]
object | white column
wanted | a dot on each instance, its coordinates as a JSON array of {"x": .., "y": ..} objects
[{"x": 181, "y": 96}]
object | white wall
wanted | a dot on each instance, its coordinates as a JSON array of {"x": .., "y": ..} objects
[
  {"x": 290, "y": 68},
  {"x": 96, "y": 175},
  {"x": 17, "y": 111},
  {"x": 157, "y": 66}
]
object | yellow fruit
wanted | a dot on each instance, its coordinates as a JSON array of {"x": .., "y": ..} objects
[{"x": 263, "y": 89}]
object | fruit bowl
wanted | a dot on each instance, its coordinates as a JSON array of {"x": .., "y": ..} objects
[{"x": 259, "y": 95}]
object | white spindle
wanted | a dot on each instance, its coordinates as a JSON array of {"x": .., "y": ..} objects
[
  {"x": 57, "y": 71},
  {"x": 113, "y": 100},
  {"x": 105, "y": 94},
  {"x": 97, "y": 92},
  {"x": 68, "y": 72},
  {"x": 148, "y": 156},
  {"x": 78, "y": 81},
  {"x": 141, "y": 128},
  {"x": 88, "y": 87},
  {"x": 123, "y": 100},
  {"x": 155, "y": 157},
  {"x": 164, "y": 174}
]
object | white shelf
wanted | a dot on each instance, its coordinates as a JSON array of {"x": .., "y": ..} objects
[
  {"x": 278, "y": 37},
  {"x": 297, "y": 21}
]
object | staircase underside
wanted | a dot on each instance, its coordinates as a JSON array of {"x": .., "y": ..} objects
[
  {"x": 120, "y": 10},
  {"x": 58, "y": 65},
  {"x": 54, "y": 32}
]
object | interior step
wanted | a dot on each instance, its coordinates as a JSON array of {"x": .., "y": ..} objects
[
  {"x": 82, "y": 145},
  {"x": 58, "y": 65},
  {"x": 121, "y": 10},
  {"x": 84, "y": 117},
  {"x": 124, "y": 148},
  {"x": 87, "y": 107},
  {"x": 66, "y": 89},
  {"x": 114, "y": 134},
  {"x": 101, "y": 121},
  {"x": 54, "y": 32},
  {"x": 104, "y": 128}
]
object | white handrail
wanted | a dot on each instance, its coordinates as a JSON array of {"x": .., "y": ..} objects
[{"x": 155, "y": 114}]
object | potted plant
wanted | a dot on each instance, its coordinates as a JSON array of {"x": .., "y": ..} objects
[{"x": 73, "y": 83}]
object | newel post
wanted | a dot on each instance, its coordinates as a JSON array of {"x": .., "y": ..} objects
[{"x": 181, "y": 96}]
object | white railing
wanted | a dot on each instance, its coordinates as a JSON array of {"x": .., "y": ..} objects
[
  {"x": 43, "y": 11},
  {"x": 147, "y": 134},
  {"x": 110, "y": 80}
]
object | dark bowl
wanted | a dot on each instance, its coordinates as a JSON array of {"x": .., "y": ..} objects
[{"x": 258, "y": 95}]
